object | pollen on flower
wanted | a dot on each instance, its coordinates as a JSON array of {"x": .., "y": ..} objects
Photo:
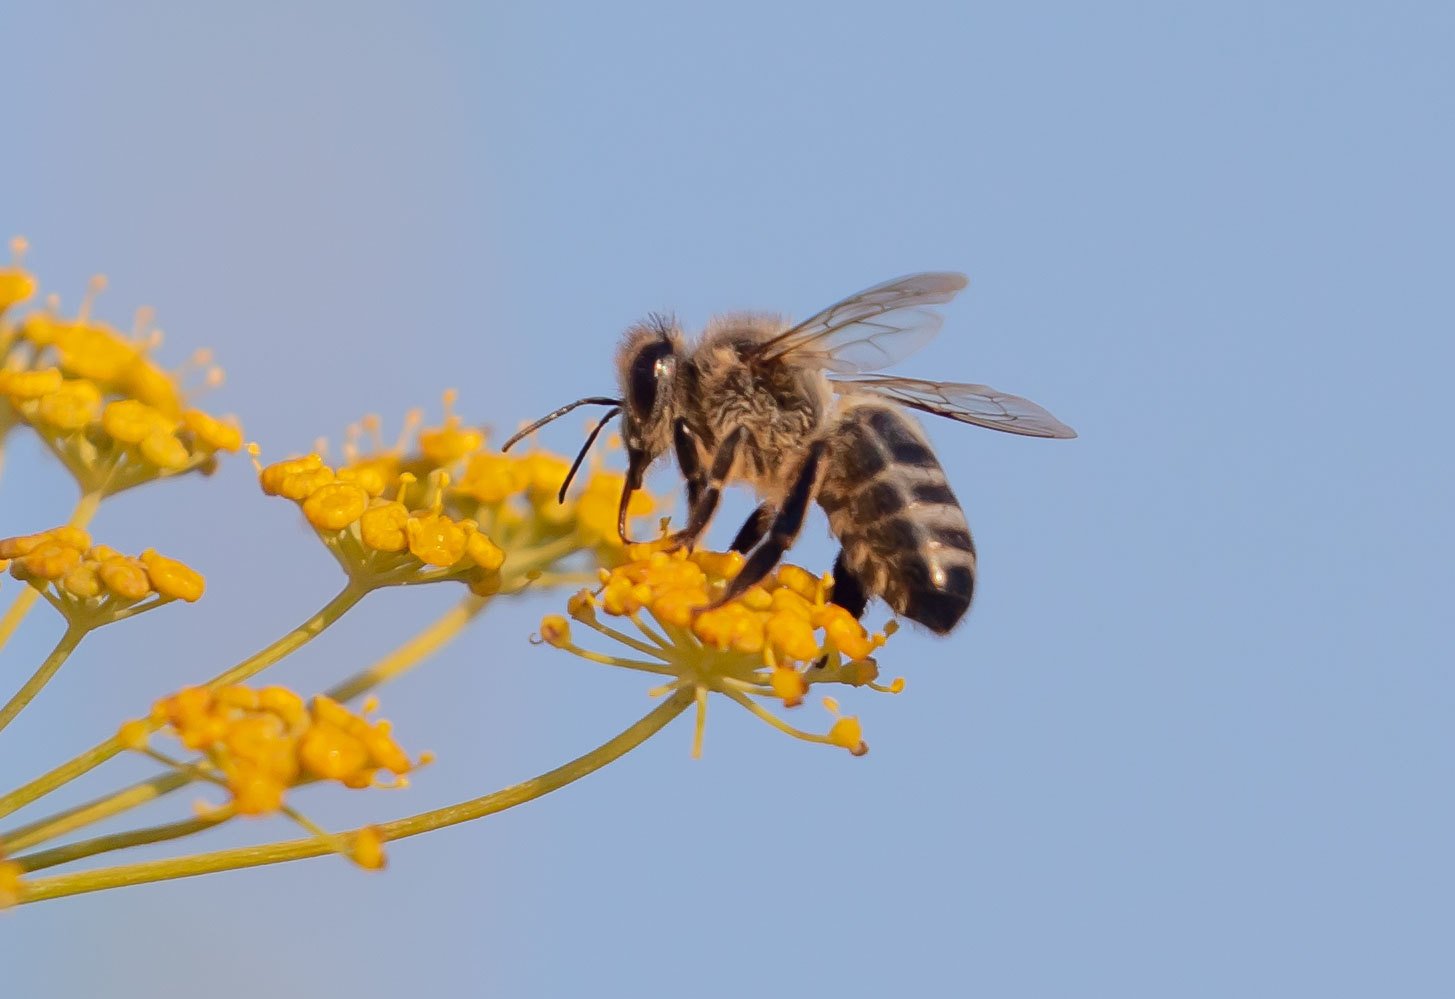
[{"x": 769, "y": 645}]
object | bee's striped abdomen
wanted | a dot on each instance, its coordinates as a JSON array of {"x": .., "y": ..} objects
[{"x": 904, "y": 534}]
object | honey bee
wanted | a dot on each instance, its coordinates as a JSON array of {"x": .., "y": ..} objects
[{"x": 799, "y": 413}]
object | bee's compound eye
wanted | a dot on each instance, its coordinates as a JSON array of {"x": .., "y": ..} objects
[{"x": 647, "y": 370}]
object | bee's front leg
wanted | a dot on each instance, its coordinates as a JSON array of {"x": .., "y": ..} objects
[
  {"x": 785, "y": 527},
  {"x": 703, "y": 491}
]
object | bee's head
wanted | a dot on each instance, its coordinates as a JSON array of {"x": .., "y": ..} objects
[{"x": 646, "y": 367}]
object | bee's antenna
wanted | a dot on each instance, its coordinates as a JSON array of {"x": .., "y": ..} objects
[
  {"x": 594, "y": 400},
  {"x": 581, "y": 456}
]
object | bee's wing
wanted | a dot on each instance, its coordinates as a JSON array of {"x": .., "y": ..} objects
[
  {"x": 868, "y": 331},
  {"x": 978, "y": 404}
]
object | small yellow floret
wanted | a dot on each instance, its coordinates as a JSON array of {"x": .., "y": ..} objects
[
  {"x": 16, "y": 286},
  {"x": 368, "y": 851},
  {"x": 51, "y": 560},
  {"x": 23, "y": 385},
  {"x": 219, "y": 435},
  {"x": 484, "y": 552},
  {"x": 435, "y": 539},
  {"x": 134, "y": 734},
  {"x": 125, "y": 577},
  {"x": 132, "y": 422},
  {"x": 335, "y": 506},
  {"x": 83, "y": 581},
  {"x": 171, "y": 578},
  {"x": 164, "y": 450},
  {"x": 382, "y": 527},
  {"x": 789, "y": 684},
  {"x": 71, "y": 406},
  {"x": 11, "y": 877},
  {"x": 555, "y": 630},
  {"x": 295, "y": 478}
]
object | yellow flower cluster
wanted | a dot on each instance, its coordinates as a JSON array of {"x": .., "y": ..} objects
[
  {"x": 98, "y": 400},
  {"x": 447, "y": 508},
  {"x": 384, "y": 541},
  {"x": 261, "y": 742},
  {"x": 775, "y": 641},
  {"x": 95, "y": 584}
]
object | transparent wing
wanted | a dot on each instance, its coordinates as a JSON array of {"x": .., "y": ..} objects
[
  {"x": 978, "y": 404},
  {"x": 871, "y": 330}
]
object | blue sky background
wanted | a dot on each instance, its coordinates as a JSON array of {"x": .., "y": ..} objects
[{"x": 1194, "y": 739}]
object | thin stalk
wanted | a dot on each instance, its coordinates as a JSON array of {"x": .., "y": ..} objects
[{"x": 42, "y": 674}]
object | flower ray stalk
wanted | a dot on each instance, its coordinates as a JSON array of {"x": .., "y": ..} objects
[
  {"x": 43, "y": 673},
  {"x": 62, "y": 885}
]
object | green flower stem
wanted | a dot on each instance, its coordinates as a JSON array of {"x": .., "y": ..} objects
[
  {"x": 80, "y": 517},
  {"x": 43, "y": 674},
  {"x": 68, "y": 821},
  {"x": 61, "y": 885},
  {"x": 118, "y": 841},
  {"x": 251, "y": 666},
  {"x": 412, "y": 652}
]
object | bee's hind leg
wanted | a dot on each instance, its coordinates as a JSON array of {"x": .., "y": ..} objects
[{"x": 785, "y": 527}]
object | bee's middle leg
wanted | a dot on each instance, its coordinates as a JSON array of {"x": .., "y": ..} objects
[
  {"x": 753, "y": 529},
  {"x": 703, "y": 490},
  {"x": 785, "y": 526}
]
